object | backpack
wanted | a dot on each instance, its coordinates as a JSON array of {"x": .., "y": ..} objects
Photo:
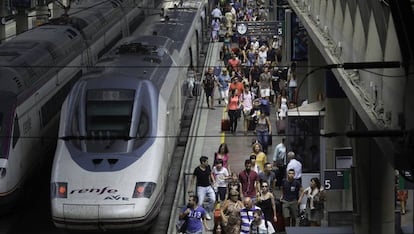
[{"x": 209, "y": 82}]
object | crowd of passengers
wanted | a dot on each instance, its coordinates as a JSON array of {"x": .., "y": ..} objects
[
  {"x": 249, "y": 81},
  {"x": 248, "y": 201}
]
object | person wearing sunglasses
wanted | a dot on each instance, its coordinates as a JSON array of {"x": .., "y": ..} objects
[{"x": 266, "y": 201}]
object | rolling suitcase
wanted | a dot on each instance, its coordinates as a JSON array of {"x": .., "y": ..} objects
[
  {"x": 281, "y": 126},
  {"x": 225, "y": 125},
  {"x": 197, "y": 88},
  {"x": 251, "y": 124},
  {"x": 280, "y": 224}
]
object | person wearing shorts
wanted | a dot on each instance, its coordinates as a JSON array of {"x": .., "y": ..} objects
[
  {"x": 291, "y": 189},
  {"x": 265, "y": 83}
]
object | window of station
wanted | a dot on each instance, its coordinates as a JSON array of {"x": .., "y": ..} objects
[
  {"x": 304, "y": 140},
  {"x": 109, "y": 112}
]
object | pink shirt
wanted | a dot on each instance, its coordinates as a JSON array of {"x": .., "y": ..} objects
[{"x": 224, "y": 157}]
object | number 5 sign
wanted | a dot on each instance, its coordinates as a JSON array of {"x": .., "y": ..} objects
[{"x": 336, "y": 179}]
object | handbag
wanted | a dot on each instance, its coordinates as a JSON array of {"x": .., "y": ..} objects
[{"x": 181, "y": 225}]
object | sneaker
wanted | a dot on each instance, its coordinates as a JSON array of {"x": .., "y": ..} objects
[{"x": 208, "y": 217}]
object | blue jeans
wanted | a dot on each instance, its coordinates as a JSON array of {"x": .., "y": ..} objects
[
  {"x": 208, "y": 191},
  {"x": 291, "y": 94},
  {"x": 263, "y": 139}
]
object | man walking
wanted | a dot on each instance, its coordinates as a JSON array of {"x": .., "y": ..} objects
[
  {"x": 249, "y": 180},
  {"x": 291, "y": 189},
  {"x": 195, "y": 216},
  {"x": 267, "y": 175},
  {"x": 204, "y": 177},
  {"x": 279, "y": 161},
  {"x": 295, "y": 165}
]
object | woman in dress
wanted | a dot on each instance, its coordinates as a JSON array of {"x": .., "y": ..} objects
[
  {"x": 315, "y": 202},
  {"x": 282, "y": 104},
  {"x": 246, "y": 98},
  {"x": 266, "y": 201},
  {"x": 230, "y": 213}
]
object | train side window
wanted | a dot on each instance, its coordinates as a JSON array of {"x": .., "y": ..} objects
[
  {"x": 16, "y": 131},
  {"x": 1, "y": 122},
  {"x": 142, "y": 130},
  {"x": 143, "y": 127}
]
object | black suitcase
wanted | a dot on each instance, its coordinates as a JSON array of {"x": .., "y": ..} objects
[
  {"x": 280, "y": 224},
  {"x": 281, "y": 126},
  {"x": 197, "y": 88},
  {"x": 252, "y": 124}
]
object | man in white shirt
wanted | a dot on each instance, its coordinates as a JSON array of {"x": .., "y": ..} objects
[
  {"x": 279, "y": 155},
  {"x": 216, "y": 13},
  {"x": 295, "y": 165}
]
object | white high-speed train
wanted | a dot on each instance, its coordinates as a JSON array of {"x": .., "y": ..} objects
[
  {"x": 37, "y": 70},
  {"x": 118, "y": 125}
]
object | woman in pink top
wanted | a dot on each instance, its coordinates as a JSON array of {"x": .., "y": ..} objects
[
  {"x": 233, "y": 110},
  {"x": 223, "y": 154}
]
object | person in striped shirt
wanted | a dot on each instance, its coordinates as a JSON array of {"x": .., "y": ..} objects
[{"x": 246, "y": 215}]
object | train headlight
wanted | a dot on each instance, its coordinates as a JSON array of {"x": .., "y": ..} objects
[
  {"x": 59, "y": 190},
  {"x": 143, "y": 189}
]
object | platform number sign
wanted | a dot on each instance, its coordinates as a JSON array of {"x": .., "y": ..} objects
[{"x": 336, "y": 179}]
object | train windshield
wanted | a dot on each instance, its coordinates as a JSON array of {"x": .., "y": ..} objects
[
  {"x": 6, "y": 123},
  {"x": 108, "y": 116},
  {"x": 2, "y": 133}
]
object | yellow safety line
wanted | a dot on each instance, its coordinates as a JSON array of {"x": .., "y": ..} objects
[{"x": 223, "y": 133}]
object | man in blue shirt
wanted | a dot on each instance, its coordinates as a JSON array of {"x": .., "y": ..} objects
[{"x": 196, "y": 216}]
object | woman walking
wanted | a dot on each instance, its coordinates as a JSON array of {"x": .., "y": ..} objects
[{"x": 233, "y": 110}]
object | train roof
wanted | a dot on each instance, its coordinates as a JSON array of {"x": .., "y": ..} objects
[
  {"x": 145, "y": 57},
  {"x": 27, "y": 58},
  {"x": 174, "y": 25}
]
